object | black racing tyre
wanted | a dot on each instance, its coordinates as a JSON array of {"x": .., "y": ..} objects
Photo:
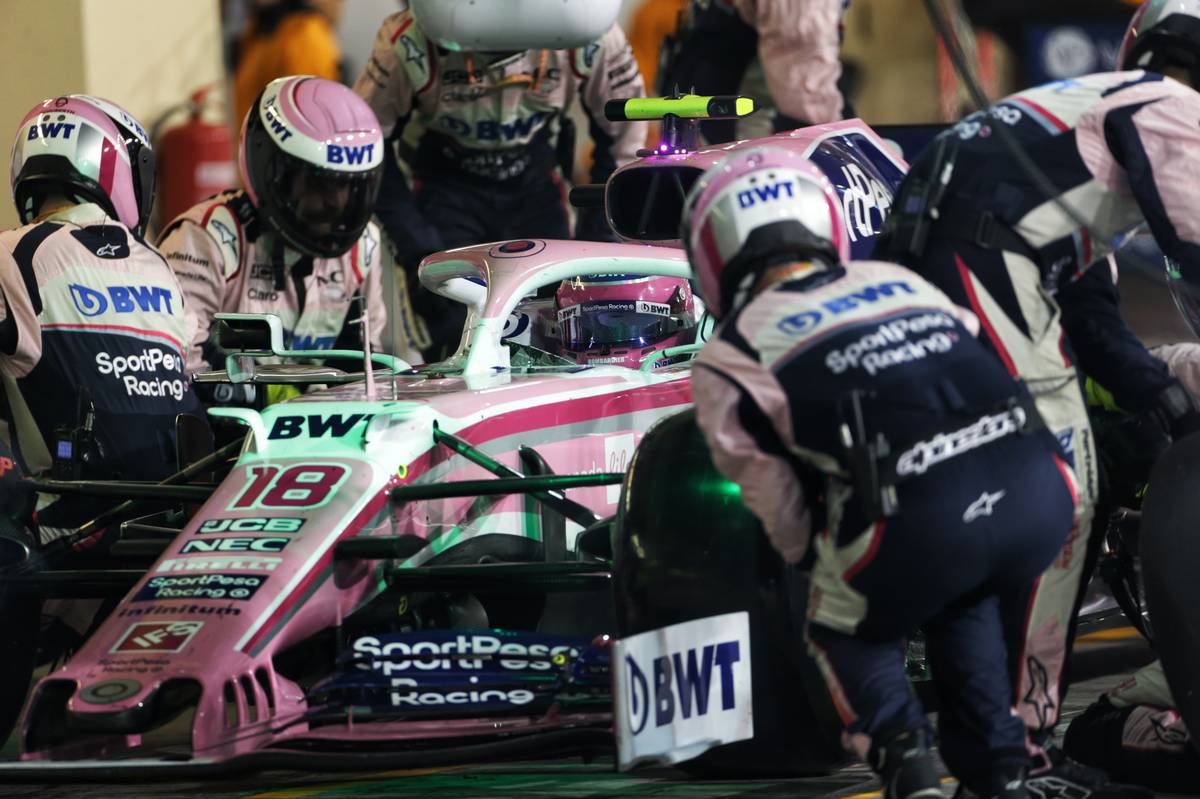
[
  {"x": 685, "y": 547},
  {"x": 1170, "y": 552}
]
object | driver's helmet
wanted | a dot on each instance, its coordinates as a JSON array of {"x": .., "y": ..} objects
[
  {"x": 1162, "y": 33},
  {"x": 623, "y": 319},
  {"x": 754, "y": 208},
  {"x": 311, "y": 158},
  {"x": 86, "y": 149}
]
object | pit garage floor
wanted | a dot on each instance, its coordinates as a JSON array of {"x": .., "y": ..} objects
[{"x": 1102, "y": 659}]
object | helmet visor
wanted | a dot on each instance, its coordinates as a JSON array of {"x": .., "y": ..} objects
[
  {"x": 322, "y": 211},
  {"x": 616, "y": 323}
]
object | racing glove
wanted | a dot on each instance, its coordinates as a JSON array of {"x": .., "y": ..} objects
[
  {"x": 1175, "y": 409},
  {"x": 1130, "y": 444}
]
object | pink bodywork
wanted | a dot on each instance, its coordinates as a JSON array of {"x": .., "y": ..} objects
[
  {"x": 803, "y": 141},
  {"x": 581, "y": 421}
]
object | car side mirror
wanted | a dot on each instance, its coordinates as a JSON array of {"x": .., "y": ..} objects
[{"x": 251, "y": 334}]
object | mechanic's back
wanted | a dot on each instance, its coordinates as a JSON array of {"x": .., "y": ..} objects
[
  {"x": 868, "y": 327},
  {"x": 1114, "y": 145},
  {"x": 853, "y": 398},
  {"x": 92, "y": 344}
]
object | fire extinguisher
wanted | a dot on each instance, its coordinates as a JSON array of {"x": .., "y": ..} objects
[{"x": 195, "y": 158}]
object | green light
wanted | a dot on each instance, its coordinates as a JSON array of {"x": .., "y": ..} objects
[
  {"x": 729, "y": 489},
  {"x": 726, "y": 489}
]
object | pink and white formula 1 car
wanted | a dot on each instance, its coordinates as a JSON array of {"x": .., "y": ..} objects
[
  {"x": 297, "y": 619},
  {"x": 405, "y": 571}
]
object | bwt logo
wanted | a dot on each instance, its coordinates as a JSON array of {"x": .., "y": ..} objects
[
  {"x": 757, "y": 194},
  {"x": 335, "y": 425},
  {"x": 801, "y": 323},
  {"x": 494, "y": 130},
  {"x": 276, "y": 125},
  {"x": 122, "y": 299},
  {"x": 346, "y": 154},
  {"x": 51, "y": 130},
  {"x": 307, "y": 342},
  {"x": 682, "y": 680}
]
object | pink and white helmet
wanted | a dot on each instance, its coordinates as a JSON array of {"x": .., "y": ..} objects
[
  {"x": 85, "y": 148},
  {"x": 623, "y": 319},
  {"x": 311, "y": 158},
  {"x": 758, "y": 207}
]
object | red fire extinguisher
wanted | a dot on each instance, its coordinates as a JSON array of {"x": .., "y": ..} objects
[{"x": 195, "y": 158}]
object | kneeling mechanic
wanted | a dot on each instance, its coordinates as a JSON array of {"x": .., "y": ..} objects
[{"x": 854, "y": 399}]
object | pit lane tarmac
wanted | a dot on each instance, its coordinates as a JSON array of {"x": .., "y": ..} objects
[{"x": 1102, "y": 660}]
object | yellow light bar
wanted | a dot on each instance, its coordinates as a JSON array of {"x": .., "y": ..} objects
[{"x": 689, "y": 106}]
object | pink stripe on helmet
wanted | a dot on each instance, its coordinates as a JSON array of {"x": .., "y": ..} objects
[
  {"x": 709, "y": 279},
  {"x": 108, "y": 162},
  {"x": 841, "y": 237}
]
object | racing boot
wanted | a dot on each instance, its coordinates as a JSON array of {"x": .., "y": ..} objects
[
  {"x": 1009, "y": 772},
  {"x": 906, "y": 766},
  {"x": 1008, "y": 782},
  {"x": 1058, "y": 775}
]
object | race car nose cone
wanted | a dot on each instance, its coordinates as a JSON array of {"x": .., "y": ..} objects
[{"x": 109, "y": 691}]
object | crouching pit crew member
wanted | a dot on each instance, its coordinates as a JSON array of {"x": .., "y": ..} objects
[
  {"x": 297, "y": 242},
  {"x": 94, "y": 331},
  {"x": 1114, "y": 151},
  {"x": 854, "y": 399}
]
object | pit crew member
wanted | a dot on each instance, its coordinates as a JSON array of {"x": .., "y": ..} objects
[
  {"x": 795, "y": 41},
  {"x": 491, "y": 92},
  {"x": 1125, "y": 387},
  {"x": 1134, "y": 731},
  {"x": 623, "y": 320},
  {"x": 944, "y": 494},
  {"x": 297, "y": 241},
  {"x": 94, "y": 331},
  {"x": 1114, "y": 148}
]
